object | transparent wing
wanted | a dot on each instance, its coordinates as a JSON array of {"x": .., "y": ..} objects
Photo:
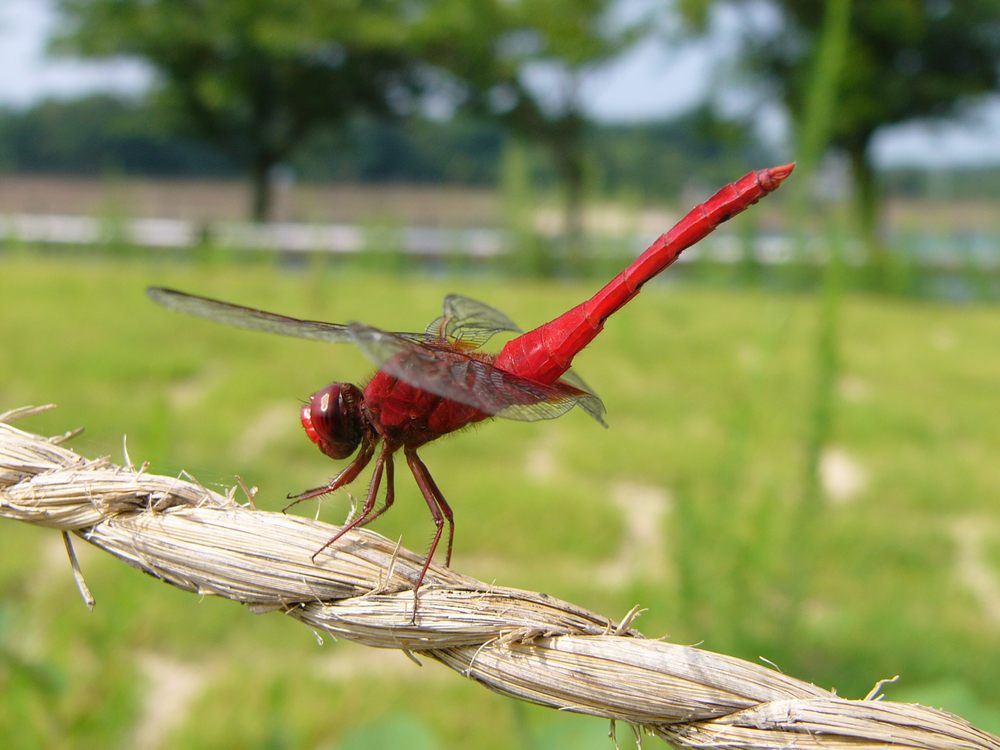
[
  {"x": 468, "y": 322},
  {"x": 446, "y": 370},
  {"x": 251, "y": 318},
  {"x": 419, "y": 359},
  {"x": 589, "y": 401}
]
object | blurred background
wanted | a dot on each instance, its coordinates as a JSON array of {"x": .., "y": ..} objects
[{"x": 801, "y": 464}]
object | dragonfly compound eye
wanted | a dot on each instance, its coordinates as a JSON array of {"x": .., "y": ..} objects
[{"x": 332, "y": 419}]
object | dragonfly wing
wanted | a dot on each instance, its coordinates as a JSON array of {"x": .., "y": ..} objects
[
  {"x": 589, "y": 401},
  {"x": 555, "y": 406},
  {"x": 446, "y": 370},
  {"x": 247, "y": 317},
  {"x": 435, "y": 366},
  {"x": 252, "y": 318},
  {"x": 468, "y": 322}
]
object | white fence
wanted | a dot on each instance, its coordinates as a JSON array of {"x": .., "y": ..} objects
[
  {"x": 347, "y": 239},
  {"x": 61, "y": 229}
]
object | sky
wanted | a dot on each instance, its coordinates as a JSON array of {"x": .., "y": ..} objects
[
  {"x": 27, "y": 74},
  {"x": 654, "y": 80}
]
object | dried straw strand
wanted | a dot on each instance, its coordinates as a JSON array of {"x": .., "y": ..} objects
[{"x": 519, "y": 643}]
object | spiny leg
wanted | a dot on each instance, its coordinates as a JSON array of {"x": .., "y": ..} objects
[
  {"x": 436, "y": 504},
  {"x": 445, "y": 509},
  {"x": 390, "y": 489},
  {"x": 384, "y": 460},
  {"x": 347, "y": 475}
]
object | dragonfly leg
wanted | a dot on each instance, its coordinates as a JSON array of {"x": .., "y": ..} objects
[
  {"x": 384, "y": 460},
  {"x": 445, "y": 509},
  {"x": 345, "y": 477},
  {"x": 390, "y": 490},
  {"x": 440, "y": 511}
]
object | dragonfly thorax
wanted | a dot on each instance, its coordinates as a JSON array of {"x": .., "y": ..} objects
[{"x": 333, "y": 420}]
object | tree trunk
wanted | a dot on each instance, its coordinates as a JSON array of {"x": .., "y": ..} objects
[
  {"x": 867, "y": 204},
  {"x": 573, "y": 196},
  {"x": 569, "y": 166},
  {"x": 261, "y": 194}
]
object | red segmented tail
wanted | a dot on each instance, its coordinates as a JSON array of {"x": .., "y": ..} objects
[{"x": 546, "y": 352}]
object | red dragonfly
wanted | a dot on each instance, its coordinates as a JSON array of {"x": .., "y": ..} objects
[{"x": 436, "y": 382}]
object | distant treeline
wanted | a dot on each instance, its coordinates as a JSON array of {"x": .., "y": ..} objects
[
  {"x": 955, "y": 183},
  {"x": 103, "y": 135}
]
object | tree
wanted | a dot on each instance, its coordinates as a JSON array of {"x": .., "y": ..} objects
[
  {"x": 254, "y": 77},
  {"x": 497, "y": 52},
  {"x": 905, "y": 60}
]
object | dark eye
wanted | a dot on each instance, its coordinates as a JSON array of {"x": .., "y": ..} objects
[{"x": 332, "y": 419}]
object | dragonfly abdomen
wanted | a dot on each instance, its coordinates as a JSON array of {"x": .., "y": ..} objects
[{"x": 546, "y": 352}]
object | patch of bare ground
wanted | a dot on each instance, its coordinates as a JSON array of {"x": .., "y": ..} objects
[
  {"x": 641, "y": 549},
  {"x": 54, "y": 564},
  {"x": 841, "y": 475},
  {"x": 189, "y": 392},
  {"x": 214, "y": 200},
  {"x": 272, "y": 422},
  {"x": 854, "y": 389},
  {"x": 943, "y": 339},
  {"x": 355, "y": 662},
  {"x": 540, "y": 461},
  {"x": 171, "y": 687},
  {"x": 971, "y": 566}
]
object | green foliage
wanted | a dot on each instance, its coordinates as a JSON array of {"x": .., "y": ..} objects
[
  {"x": 253, "y": 77},
  {"x": 905, "y": 60},
  {"x": 495, "y": 50}
]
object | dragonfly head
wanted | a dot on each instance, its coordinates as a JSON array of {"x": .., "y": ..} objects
[{"x": 333, "y": 420}]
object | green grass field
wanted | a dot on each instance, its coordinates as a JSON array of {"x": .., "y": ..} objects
[{"x": 711, "y": 402}]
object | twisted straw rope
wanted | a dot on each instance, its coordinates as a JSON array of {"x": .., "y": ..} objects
[{"x": 519, "y": 643}]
